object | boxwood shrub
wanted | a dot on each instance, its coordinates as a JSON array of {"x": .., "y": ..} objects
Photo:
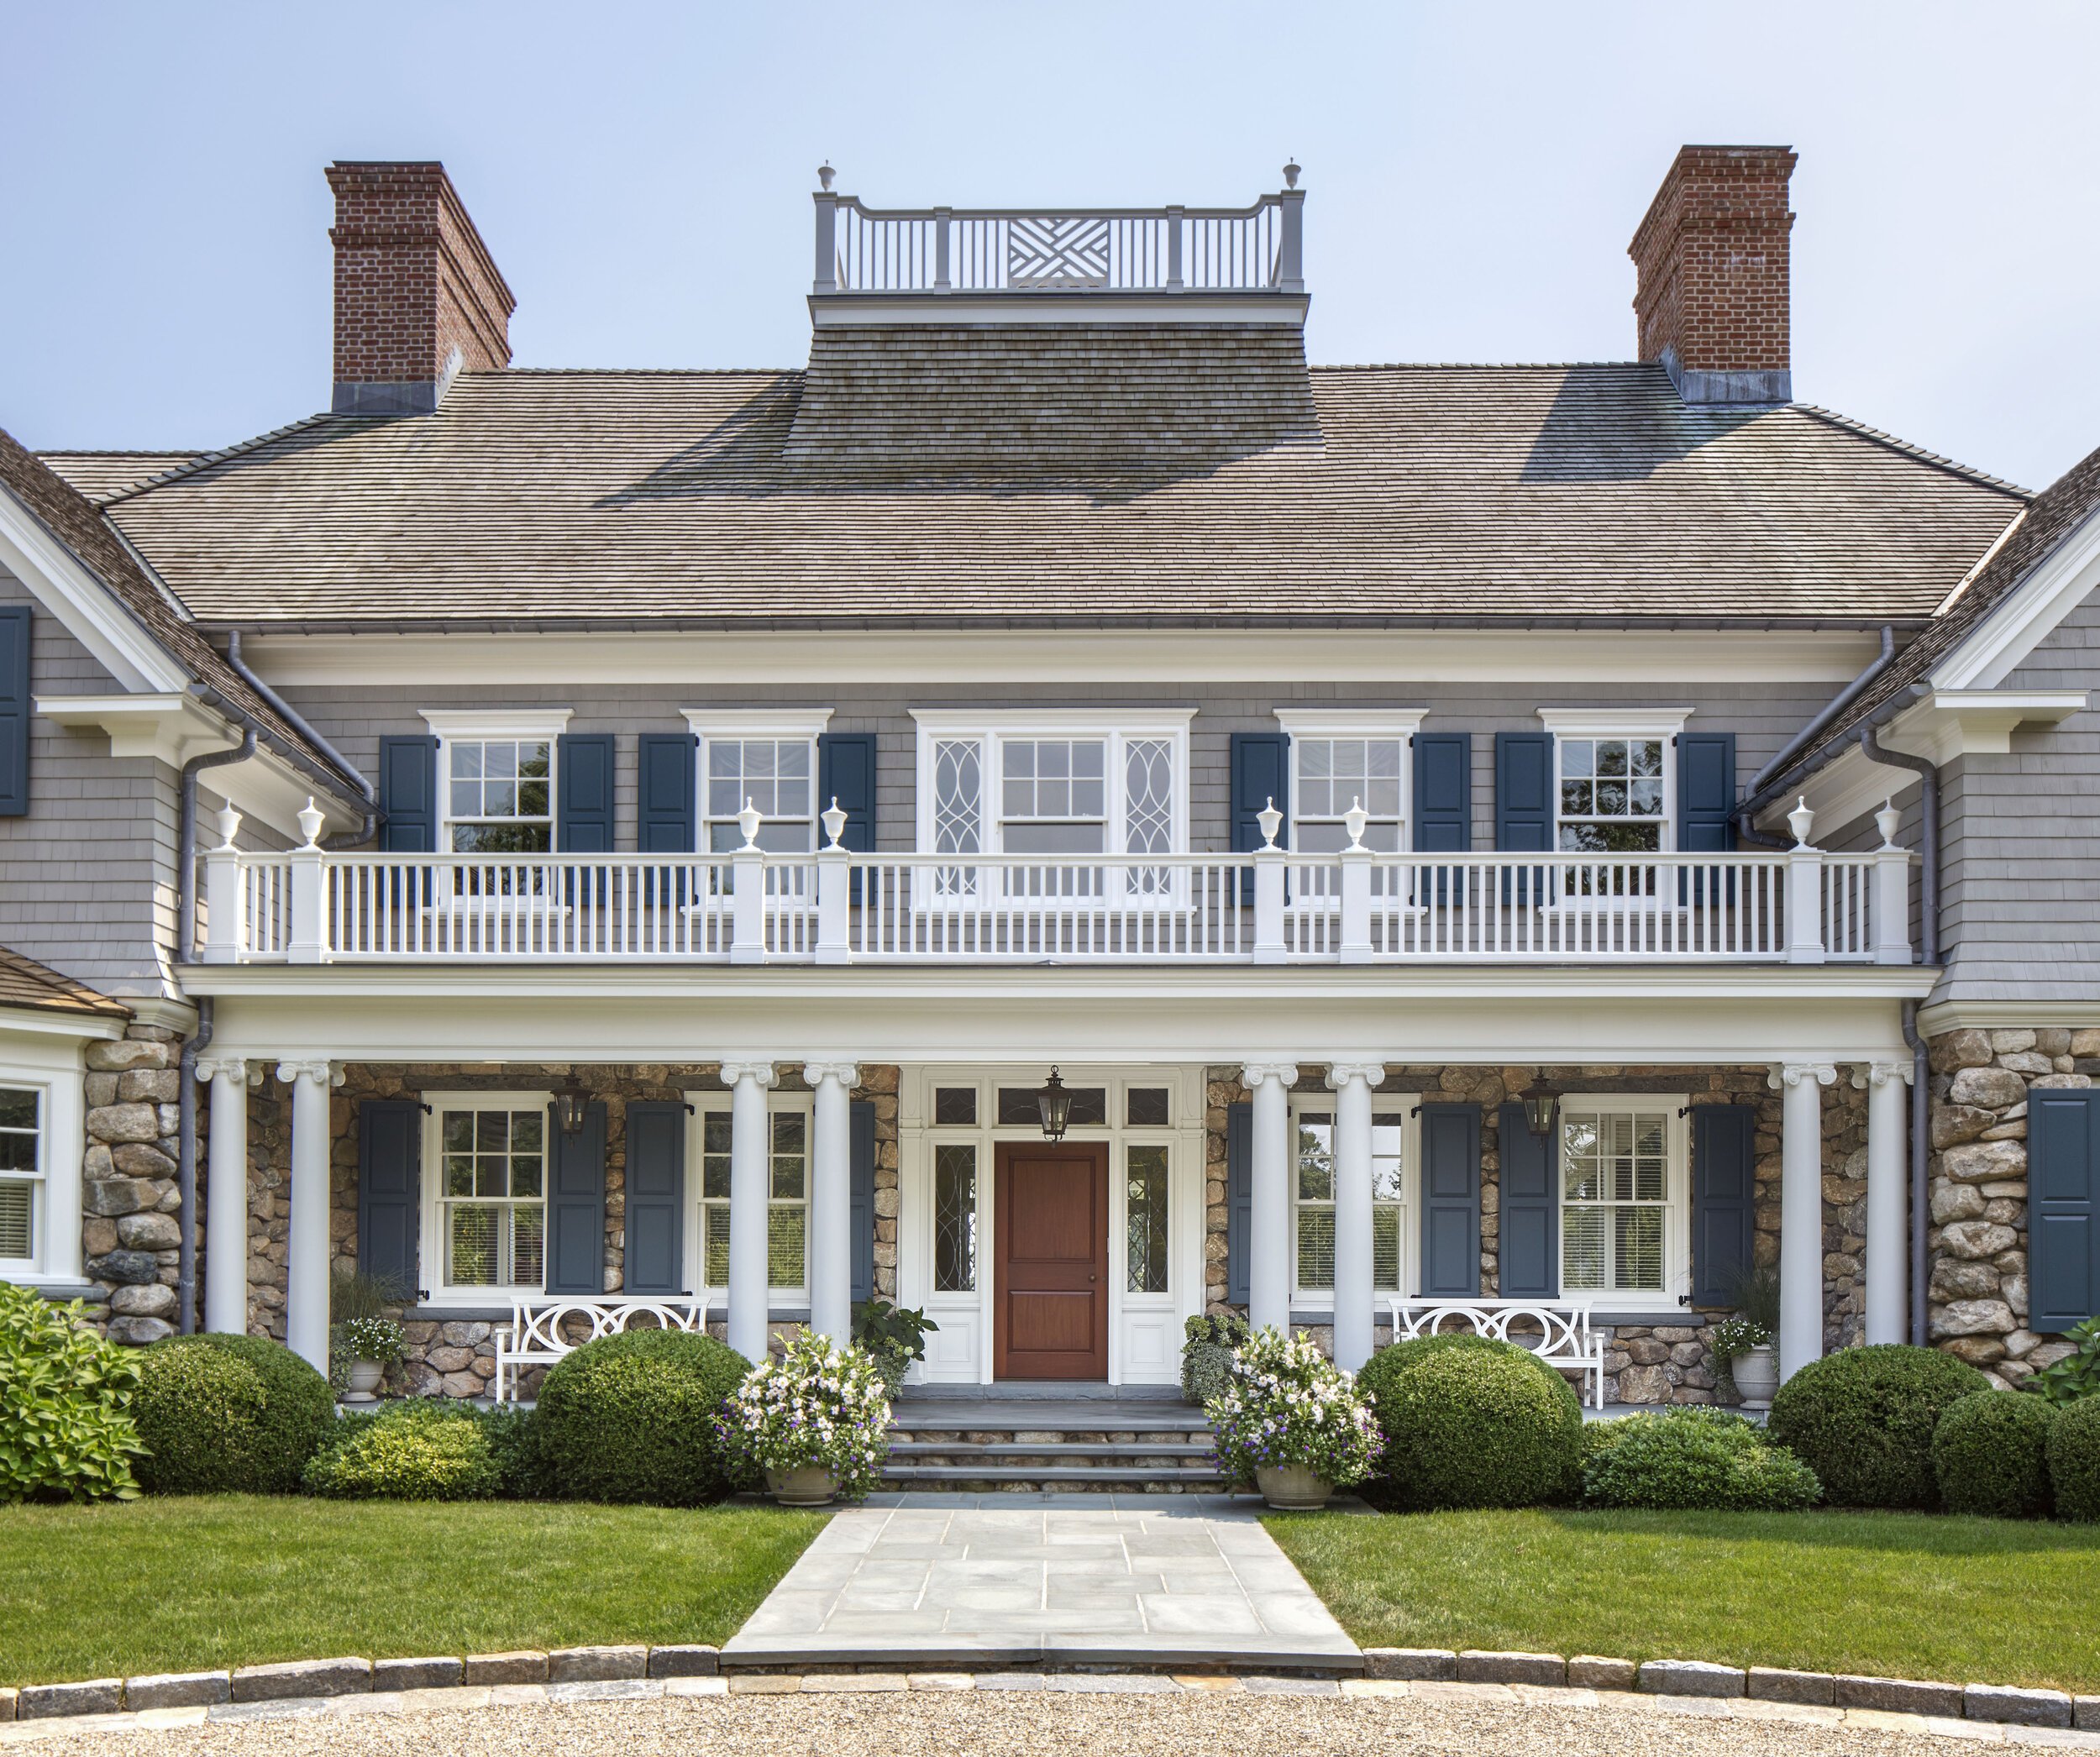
[
  {"x": 1691, "y": 1458},
  {"x": 632, "y": 1418},
  {"x": 418, "y": 1451},
  {"x": 1863, "y": 1419},
  {"x": 1991, "y": 1455},
  {"x": 222, "y": 1414},
  {"x": 2074, "y": 1460},
  {"x": 1470, "y": 1421}
]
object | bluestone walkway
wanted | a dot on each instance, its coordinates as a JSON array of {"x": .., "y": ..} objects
[{"x": 978, "y": 1581}]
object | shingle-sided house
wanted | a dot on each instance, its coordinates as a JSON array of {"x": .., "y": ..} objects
[{"x": 1430, "y": 817}]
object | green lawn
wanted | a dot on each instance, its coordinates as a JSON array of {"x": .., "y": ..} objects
[
  {"x": 1894, "y": 1595},
  {"x": 180, "y": 1584}
]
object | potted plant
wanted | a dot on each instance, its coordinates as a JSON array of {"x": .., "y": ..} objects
[
  {"x": 365, "y": 1339},
  {"x": 893, "y": 1336},
  {"x": 1745, "y": 1340},
  {"x": 1208, "y": 1345},
  {"x": 1293, "y": 1423},
  {"x": 814, "y": 1420}
]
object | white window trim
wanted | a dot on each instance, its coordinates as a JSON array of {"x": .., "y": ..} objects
[
  {"x": 55, "y": 1074},
  {"x": 783, "y": 725},
  {"x": 720, "y": 1101},
  {"x": 1676, "y": 1217},
  {"x": 1408, "y": 1104},
  {"x": 1663, "y": 724},
  {"x": 1614, "y": 723},
  {"x": 40, "y": 1181},
  {"x": 469, "y": 725},
  {"x": 431, "y": 1249},
  {"x": 1400, "y": 723}
]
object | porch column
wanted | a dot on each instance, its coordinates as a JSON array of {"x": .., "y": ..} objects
[
  {"x": 749, "y": 1156},
  {"x": 226, "y": 1198},
  {"x": 1887, "y": 1241},
  {"x": 306, "y": 1295},
  {"x": 831, "y": 1201},
  {"x": 1268, "y": 1215},
  {"x": 1352, "y": 1082},
  {"x": 1801, "y": 1212}
]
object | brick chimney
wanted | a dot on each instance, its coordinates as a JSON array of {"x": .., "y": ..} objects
[
  {"x": 417, "y": 297},
  {"x": 1712, "y": 262}
]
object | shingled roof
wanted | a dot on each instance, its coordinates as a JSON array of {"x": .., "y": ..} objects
[
  {"x": 99, "y": 474},
  {"x": 26, "y": 983},
  {"x": 80, "y": 526},
  {"x": 1032, "y": 473}
]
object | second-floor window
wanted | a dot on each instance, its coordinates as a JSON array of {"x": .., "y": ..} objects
[
  {"x": 1613, "y": 796},
  {"x": 777, "y": 776},
  {"x": 499, "y": 795}
]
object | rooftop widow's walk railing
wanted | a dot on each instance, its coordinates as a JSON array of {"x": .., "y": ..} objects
[
  {"x": 1802, "y": 906},
  {"x": 974, "y": 251}
]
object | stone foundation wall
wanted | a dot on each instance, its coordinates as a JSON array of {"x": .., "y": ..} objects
[
  {"x": 1978, "y": 1244},
  {"x": 130, "y": 1231}
]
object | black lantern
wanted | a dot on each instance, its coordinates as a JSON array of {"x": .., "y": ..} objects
[
  {"x": 1055, "y": 1104},
  {"x": 572, "y": 1100},
  {"x": 1539, "y": 1106}
]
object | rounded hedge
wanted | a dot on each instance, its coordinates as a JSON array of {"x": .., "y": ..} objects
[
  {"x": 1863, "y": 1420},
  {"x": 1991, "y": 1455},
  {"x": 1472, "y": 1422},
  {"x": 220, "y": 1414},
  {"x": 632, "y": 1418},
  {"x": 2074, "y": 1460},
  {"x": 1691, "y": 1458},
  {"x": 419, "y": 1451}
]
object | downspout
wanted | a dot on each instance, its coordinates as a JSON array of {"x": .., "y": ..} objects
[
  {"x": 186, "y": 1091},
  {"x": 1920, "y": 1170},
  {"x": 1746, "y": 829},
  {"x": 298, "y": 722}
]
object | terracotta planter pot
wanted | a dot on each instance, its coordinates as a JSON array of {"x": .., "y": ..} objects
[
  {"x": 1292, "y": 1488},
  {"x": 806, "y": 1485},
  {"x": 364, "y": 1376},
  {"x": 1756, "y": 1375}
]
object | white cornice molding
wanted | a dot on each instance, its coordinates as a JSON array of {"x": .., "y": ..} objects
[
  {"x": 91, "y": 612},
  {"x": 2008, "y": 1015},
  {"x": 2013, "y": 628},
  {"x": 172, "y": 726},
  {"x": 50, "y": 1022},
  {"x": 497, "y": 723},
  {"x": 1352, "y": 722},
  {"x": 1107, "y": 717},
  {"x": 757, "y": 723},
  {"x": 1614, "y": 723}
]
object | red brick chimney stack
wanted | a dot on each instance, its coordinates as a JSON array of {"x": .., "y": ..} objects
[
  {"x": 1712, "y": 260},
  {"x": 418, "y": 296}
]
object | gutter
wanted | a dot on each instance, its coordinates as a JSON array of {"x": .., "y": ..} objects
[
  {"x": 298, "y": 722},
  {"x": 1746, "y": 828}
]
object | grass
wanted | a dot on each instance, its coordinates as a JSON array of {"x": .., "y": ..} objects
[
  {"x": 1890, "y": 1595},
  {"x": 185, "y": 1583}
]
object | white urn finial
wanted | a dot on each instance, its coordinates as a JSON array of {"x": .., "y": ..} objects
[
  {"x": 1271, "y": 821},
  {"x": 1355, "y": 820},
  {"x": 1290, "y": 174},
  {"x": 834, "y": 822},
  {"x": 1802, "y": 821},
  {"x": 748, "y": 820},
  {"x": 1886, "y": 819},
  {"x": 310, "y": 823},
  {"x": 825, "y": 173},
  {"x": 228, "y": 826}
]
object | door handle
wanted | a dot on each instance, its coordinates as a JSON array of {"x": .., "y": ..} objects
[{"x": 1094, "y": 1277}]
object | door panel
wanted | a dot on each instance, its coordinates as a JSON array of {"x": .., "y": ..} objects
[{"x": 1050, "y": 1262}]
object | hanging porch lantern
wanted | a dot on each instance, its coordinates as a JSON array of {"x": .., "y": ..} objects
[
  {"x": 572, "y": 1103},
  {"x": 1055, "y": 1104},
  {"x": 1539, "y": 1107}
]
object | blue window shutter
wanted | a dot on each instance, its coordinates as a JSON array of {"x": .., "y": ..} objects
[
  {"x": 1723, "y": 1199},
  {"x": 1706, "y": 792},
  {"x": 576, "y": 1205},
  {"x": 1239, "y": 1197},
  {"x": 2064, "y": 1213},
  {"x": 582, "y": 793},
  {"x": 666, "y": 790},
  {"x": 861, "y": 1204},
  {"x": 389, "y": 1189},
  {"x": 1261, "y": 772},
  {"x": 1443, "y": 792},
  {"x": 15, "y": 624},
  {"x": 408, "y": 796},
  {"x": 656, "y": 1199},
  {"x": 845, "y": 772},
  {"x": 1451, "y": 1201},
  {"x": 1524, "y": 792},
  {"x": 1530, "y": 1240}
]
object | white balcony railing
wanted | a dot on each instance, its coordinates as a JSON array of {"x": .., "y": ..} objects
[{"x": 1802, "y": 906}]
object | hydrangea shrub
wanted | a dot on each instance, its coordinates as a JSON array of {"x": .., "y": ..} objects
[
  {"x": 1286, "y": 1403},
  {"x": 65, "y": 1426},
  {"x": 815, "y": 1405}
]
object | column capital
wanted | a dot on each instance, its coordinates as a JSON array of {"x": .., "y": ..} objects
[
  {"x": 1255, "y": 1072},
  {"x": 321, "y": 1073},
  {"x": 846, "y": 1073},
  {"x": 1884, "y": 1073},
  {"x": 234, "y": 1067},
  {"x": 1340, "y": 1073},
  {"x": 1795, "y": 1073},
  {"x": 763, "y": 1073}
]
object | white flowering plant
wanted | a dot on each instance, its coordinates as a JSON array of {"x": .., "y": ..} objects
[
  {"x": 813, "y": 1405},
  {"x": 1286, "y": 1403}
]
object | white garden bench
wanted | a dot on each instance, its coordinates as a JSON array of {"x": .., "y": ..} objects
[
  {"x": 536, "y": 1336},
  {"x": 1559, "y": 1336}
]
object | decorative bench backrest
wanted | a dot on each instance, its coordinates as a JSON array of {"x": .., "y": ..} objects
[
  {"x": 1550, "y": 1332},
  {"x": 541, "y": 1327}
]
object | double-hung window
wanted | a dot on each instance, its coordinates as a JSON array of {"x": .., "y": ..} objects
[
  {"x": 492, "y": 1190},
  {"x": 787, "y": 1166},
  {"x": 1341, "y": 761},
  {"x": 768, "y": 760},
  {"x": 496, "y": 780},
  {"x": 22, "y": 1177},
  {"x": 1622, "y": 1176},
  {"x": 1614, "y": 784},
  {"x": 1313, "y": 1198}
]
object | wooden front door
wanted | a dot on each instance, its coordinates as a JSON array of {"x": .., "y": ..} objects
[{"x": 1050, "y": 1262}]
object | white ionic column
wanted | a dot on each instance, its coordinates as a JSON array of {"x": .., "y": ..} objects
[
  {"x": 831, "y": 1201},
  {"x": 749, "y": 1156},
  {"x": 1351, "y": 1083},
  {"x": 1801, "y": 1212},
  {"x": 226, "y": 1198},
  {"x": 1268, "y": 1214},
  {"x": 306, "y": 1295},
  {"x": 1887, "y": 1278}
]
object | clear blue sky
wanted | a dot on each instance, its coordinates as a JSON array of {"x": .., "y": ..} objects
[{"x": 641, "y": 174}]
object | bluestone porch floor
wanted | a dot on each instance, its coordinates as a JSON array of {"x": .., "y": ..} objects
[{"x": 968, "y": 1581}]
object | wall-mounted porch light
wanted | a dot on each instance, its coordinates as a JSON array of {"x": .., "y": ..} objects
[
  {"x": 572, "y": 1104},
  {"x": 1055, "y": 1104},
  {"x": 1539, "y": 1107}
]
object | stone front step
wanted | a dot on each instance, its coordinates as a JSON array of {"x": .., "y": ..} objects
[
  {"x": 1036, "y": 1444},
  {"x": 1166, "y": 1479}
]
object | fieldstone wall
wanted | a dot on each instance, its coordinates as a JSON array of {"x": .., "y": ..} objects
[
  {"x": 1978, "y": 1244},
  {"x": 1645, "y": 1363},
  {"x": 456, "y": 1356},
  {"x": 130, "y": 1201}
]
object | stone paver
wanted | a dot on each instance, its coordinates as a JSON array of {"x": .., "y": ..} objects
[{"x": 941, "y": 1580}]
